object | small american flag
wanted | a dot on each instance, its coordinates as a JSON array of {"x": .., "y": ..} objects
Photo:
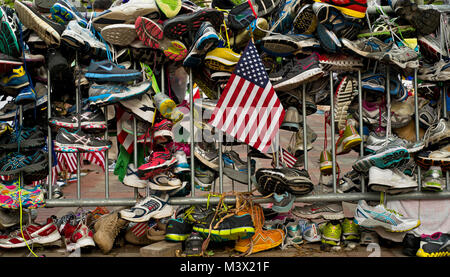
[
  {"x": 287, "y": 158},
  {"x": 123, "y": 137},
  {"x": 249, "y": 109}
]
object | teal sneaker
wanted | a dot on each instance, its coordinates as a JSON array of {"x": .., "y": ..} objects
[
  {"x": 8, "y": 39},
  {"x": 293, "y": 235},
  {"x": 331, "y": 234}
]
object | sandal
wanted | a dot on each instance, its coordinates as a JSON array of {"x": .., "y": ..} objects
[{"x": 193, "y": 246}]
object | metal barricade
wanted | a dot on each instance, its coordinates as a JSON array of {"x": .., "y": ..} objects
[{"x": 328, "y": 197}]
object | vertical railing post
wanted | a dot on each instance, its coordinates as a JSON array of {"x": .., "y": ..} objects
[
  {"x": 416, "y": 110},
  {"x": 220, "y": 146},
  {"x": 49, "y": 139},
  {"x": 78, "y": 104},
  {"x": 333, "y": 145},
  {"x": 105, "y": 111},
  {"x": 361, "y": 126},
  {"x": 305, "y": 134},
  {"x": 192, "y": 136}
]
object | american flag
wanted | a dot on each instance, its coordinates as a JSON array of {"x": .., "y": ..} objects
[
  {"x": 287, "y": 158},
  {"x": 249, "y": 109},
  {"x": 123, "y": 137}
]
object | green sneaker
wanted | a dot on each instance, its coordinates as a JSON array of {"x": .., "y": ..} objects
[
  {"x": 331, "y": 234},
  {"x": 349, "y": 139},
  {"x": 8, "y": 39},
  {"x": 433, "y": 179},
  {"x": 170, "y": 8},
  {"x": 350, "y": 230},
  {"x": 293, "y": 234}
]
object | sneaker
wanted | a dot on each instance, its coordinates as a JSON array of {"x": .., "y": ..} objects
[
  {"x": 283, "y": 45},
  {"x": 433, "y": 179},
  {"x": 207, "y": 153},
  {"x": 235, "y": 168},
  {"x": 427, "y": 116},
  {"x": 435, "y": 245},
  {"x": 392, "y": 181},
  {"x": 298, "y": 148},
  {"x": 388, "y": 156},
  {"x": 340, "y": 24},
  {"x": 25, "y": 139},
  {"x": 345, "y": 92},
  {"x": 439, "y": 157},
  {"x": 351, "y": 8},
  {"x": 132, "y": 179},
  {"x": 119, "y": 34},
  {"x": 34, "y": 234},
  {"x": 331, "y": 233},
  {"x": 293, "y": 235},
  {"x": 375, "y": 142},
  {"x": 10, "y": 218},
  {"x": 9, "y": 44},
  {"x": 158, "y": 162},
  {"x": 15, "y": 162},
  {"x": 237, "y": 226},
  {"x": 378, "y": 216},
  {"x": 350, "y": 230},
  {"x": 305, "y": 70},
  {"x": 126, "y": 13},
  {"x": 204, "y": 178},
  {"x": 437, "y": 133},
  {"x": 150, "y": 207},
  {"x": 430, "y": 47},
  {"x": 83, "y": 39},
  {"x": 89, "y": 120},
  {"x": 328, "y": 39},
  {"x": 339, "y": 62},
  {"x": 178, "y": 229},
  {"x": 440, "y": 71},
  {"x": 371, "y": 47},
  {"x": 63, "y": 11},
  {"x": 15, "y": 79},
  {"x": 50, "y": 32},
  {"x": 143, "y": 106},
  {"x": 221, "y": 59},
  {"x": 190, "y": 23},
  {"x": 106, "y": 71},
  {"x": 348, "y": 140},
  {"x": 78, "y": 237},
  {"x": 310, "y": 231},
  {"x": 162, "y": 131},
  {"x": 282, "y": 203},
  {"x": 403, "y": 56},
  {"x": 182, "y": 163},
  {"x": 280, "y": 180},
  {"x": 205, "y": 39},
  {"x": 26, "y": 95},
  {"x": 170, "y": 8},
  {"x": 425, "y": 21},
  {"x": 285, "y": 19},
  {"x": 193, "y": 245},
  {"x": 107, "y": 228},
  {"x": 240, "y": 16},
  {"x": 326, "y": 162},
  {"x": 8, "y": 63},
  {"x": 78, "y": 141},
  {"x": 305, "y": 22},
  {"x": 164, "y": 182},
  {"x": 13, "y": 196},
  {"x": 373, "y": 82},
  {"x": 328, "y": 211}
]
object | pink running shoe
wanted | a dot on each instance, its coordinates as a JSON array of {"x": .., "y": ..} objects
[
  {"x": 162, "y": 131},
  {"x": 158, "y": 162}
]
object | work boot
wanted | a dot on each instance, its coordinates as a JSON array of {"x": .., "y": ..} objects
[{"x": 106, "y": 230}]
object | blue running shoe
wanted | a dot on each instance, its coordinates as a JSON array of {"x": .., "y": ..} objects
[
  {"x": 285, "y": 20},
  {"x": 106, "y": 94},
  {"x": 25, "y": 96},
  {"x": 283, "y": 202},
  {"x": 16, "y": 79},
  {"x": 391, "y": 155},
  {"x": 63, "y": 12},
  {"x": 329, "y": 41},
  {"x": 107, "y": 71},
  {"x": 205, "y": 39}
]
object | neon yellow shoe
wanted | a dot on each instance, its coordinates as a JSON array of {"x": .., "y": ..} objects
[
  {"x": 222, "y": 59},
  {"x": 326, "y": 164},
  {"x": 331, "y": 234},
  {"x": 174, "y": 50},
  {"x": 170, "y": 8},
  {"x": 349, "y": 139},
  {"x": 350, "y": 230}
]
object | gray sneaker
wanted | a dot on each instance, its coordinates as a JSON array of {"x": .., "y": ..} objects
[
  {"x": 204, "y": 178},
  {"x": 110, "y": 93},
  {"x": 282, "y": 203},
  {"x": 10, "y": 218},
  {"x": 235, "y": 168},
  {"x": 329, "y": 211},
  {"x": 437, "y": 133},
  {"x": 403, "y": 56},
  {"x": 207, "y": 153},
  {"x": 367, "y": 47},
  {"x": 375, "y": 143}
]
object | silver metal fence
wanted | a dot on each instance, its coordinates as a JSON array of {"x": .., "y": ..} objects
[{"x": 328, "y": 197}]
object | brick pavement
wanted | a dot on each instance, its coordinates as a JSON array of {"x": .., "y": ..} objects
[{"x": 93, "y": 186}]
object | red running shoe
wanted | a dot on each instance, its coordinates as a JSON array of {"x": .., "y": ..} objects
[
  {"x": 162, "y": 131},
  {"x": 34, "y": 234},
  {"x": 354, "y": 8},
  {"x": 78, "y": 237},
  {"x": 158, "y": 162}
]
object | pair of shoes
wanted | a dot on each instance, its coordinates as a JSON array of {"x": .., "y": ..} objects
[{"x": 333, "y": 232}]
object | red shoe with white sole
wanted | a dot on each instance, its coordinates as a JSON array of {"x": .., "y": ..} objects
[
  {"x": 158, "y": 162},
  {"x": 78, "y": 237},
  {"x": 162, "y": 131},
  {"x": 33, "y": 234}
]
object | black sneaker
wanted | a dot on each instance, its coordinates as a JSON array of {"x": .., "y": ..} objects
[
  {"x": 28, "y": 138},
  {"x": 106, "y": 94},
  {"x": 49, "y": 31},
  {"x": 78, "y": 141},
  {"x": 240, "y": 16},
  {"x": 61, "y": 75},
  {"x": 205, "y": 39},
  {"x": 89, "y": 120},
  {"x": 302, "y": 71},
  {"x": 280, "y": 180},
  {"x": 178, "y": 229},
  {"x": 107, "y": 71},
  {"x": 15, "y": 162},
  {"x": 193, "y": 245},
  {"x": 411, "y": 244},
  {"x": 230, "y": 228}
]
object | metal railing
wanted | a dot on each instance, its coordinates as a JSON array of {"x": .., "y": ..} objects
[{"x": 327, "y": 197}]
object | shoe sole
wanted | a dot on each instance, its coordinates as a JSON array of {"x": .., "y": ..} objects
[
  {"x": 169, "y": 8},
  {"x": 347, "y": 11},
  {"x": 279, "y": 185},
  {"x": 46, "y": 32},
  {"x": 106, "y": 99},
  {"x": 113, "y": 77},
  {"x": 84, "y": 125},
  {"x": 227, "y": 234},
  {"x": 26, "y": 144},
  {"x": 396, "y": 157},
  {"x": 119, "y": 34},
  {"x": 426, "y": 162},
  {"x": 129, "y": 181},
  {"x": 149, "y": 32},
  {"x": 176, "y": 237},
  {"x": 8, "y": 40},
  {"x": 52, "y": 238},
  {"x": 74, "y": 148},
  {"x": 328, "y": 39},
  {"x": 236, "y": 175},
  {"x": 189, "y": 23},
  {"x": 345, "y": 93},
  {"x": 206, "y": 162},
  {"x": 63, "y": 15},
  {"x": 164, "y": 212},
  {"x": 421, "y": 253},
  {"x": 306, "y": 21},
  {"x": 371, "y": 223},
  {"x": 305, "y": 76},
  {"x": 279, "y": 47},
  {"x": 118, "y": 17}
]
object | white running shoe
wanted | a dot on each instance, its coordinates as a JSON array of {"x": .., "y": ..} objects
[
  {"x": 132, "y": 180},
  {"x": 150, "y": 207},
  {"x": 378, "y": 216},
  {"x": 182, "y": 163},
  {"x": 390, "y": 180},
  {"x": 79, "y": 38}
]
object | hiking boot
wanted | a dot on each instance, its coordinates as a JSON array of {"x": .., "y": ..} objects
[{"x": 107, "y": 229}]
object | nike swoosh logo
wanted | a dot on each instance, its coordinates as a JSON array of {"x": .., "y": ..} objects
[{"x": 106, "y": 68}]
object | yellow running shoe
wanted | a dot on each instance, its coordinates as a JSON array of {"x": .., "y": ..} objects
[{"x": 222, "y": 59}]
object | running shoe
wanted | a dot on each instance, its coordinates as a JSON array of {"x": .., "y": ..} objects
[
  {"x": 164, "y": 182},
  {"x": 132, "y": 179},
  {"x": 119, "y": 34},
  {"x": 279, "y": 180},
  {"x": 435, "y": 245},
  {"x": 33, "y": 234},
  {"x": 26, "y": 95},
  {"x": 283, "y": 203},
  {"x": 82, "y": 39},
  {"x": 203, "y": 178},
  {"x": 8, "y": 63},
  {"x": 390, "y": 180},
  {"x": 178, "y": 229},
  {"x": 15, "y": 79},
  {"x": 227, "y": 228},
  {"x": 343, "y": 97},
  {"x": 329, "y": 211},
  {"x": 310, "y": 231},
  {"x": 63, "y": 12},
  {"x": 389, "y": 156},
  {"x": 107, "y": 71},
  {"x": 331, "y": 233},
  {"x": 89, "y": 120},
  {"x": 433, "y": 179},
  {"x": 9, "y": 43},
  {"x": 205, "y": 39},
  {"x": 235, "y": 168},
  {"x": 350, "y": 230},
  {"x": 110, "y": 93},
  {"x": 15, "y": 162},
  {"x": 354, "y": 8},
  {"x": 24, "y": 139},
  {"x": 149, "y": 207},
  {"x": 170, "y": 8},
  {"x": 293, "y": 235},
  {"x": 440, "y": 71},
  {"x": 78, "y": 141},
  {"x": 157, "y": 162},
  {"x": 182, "y": 163},
  {"x": 378, "y": 216}
]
